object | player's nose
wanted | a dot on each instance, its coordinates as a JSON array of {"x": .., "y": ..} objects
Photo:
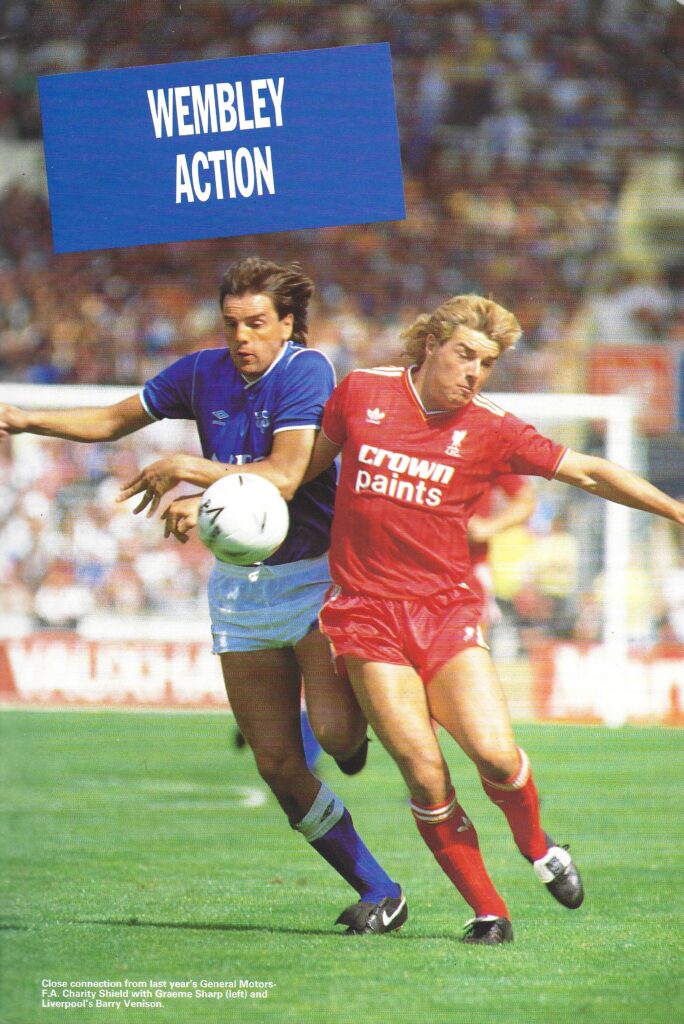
[{"x": 473, "y": 370}]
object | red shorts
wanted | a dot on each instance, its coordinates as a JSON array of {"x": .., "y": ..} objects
[{"x": 424, "y": 634}]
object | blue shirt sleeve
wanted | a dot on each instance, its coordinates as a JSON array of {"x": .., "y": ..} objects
[
  {"x": 169, "y": 395},
  {"x": 308, "y": 383}
]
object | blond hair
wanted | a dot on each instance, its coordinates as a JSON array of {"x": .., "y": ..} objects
[{"x": 473, "y": 311}]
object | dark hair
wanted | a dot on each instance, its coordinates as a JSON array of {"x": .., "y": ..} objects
[{"x": 287, "y": 286}]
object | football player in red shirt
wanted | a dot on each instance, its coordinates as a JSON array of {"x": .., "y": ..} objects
[
  {"x": 419, "y": 447},
  {"x": 486, "y": 522}
]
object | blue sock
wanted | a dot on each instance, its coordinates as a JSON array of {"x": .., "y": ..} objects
[
  {"x": 312, "y": 748},
  {"x": 328, "y": 827},
  {"x": 344, "y": 849}
]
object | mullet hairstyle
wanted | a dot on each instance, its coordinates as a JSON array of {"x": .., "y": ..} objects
[
  {"x": 473, "y": 311},
  {"x": 287, "y": 286}
]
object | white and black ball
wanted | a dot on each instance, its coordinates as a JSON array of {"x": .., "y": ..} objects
[{"x": 243, "y": 518}]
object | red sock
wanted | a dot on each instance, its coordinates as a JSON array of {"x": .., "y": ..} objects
[
  {"x": 451, "y": 836},
  {"x": 518, "y": 799}
]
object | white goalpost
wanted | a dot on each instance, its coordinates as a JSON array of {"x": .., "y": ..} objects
[{"x": 617, "y": 412}]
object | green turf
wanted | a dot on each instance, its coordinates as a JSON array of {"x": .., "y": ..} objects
[{"x": 129, "y": 855}]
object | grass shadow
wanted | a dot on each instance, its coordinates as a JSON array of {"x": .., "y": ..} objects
[{"x": 134, "y": 922}]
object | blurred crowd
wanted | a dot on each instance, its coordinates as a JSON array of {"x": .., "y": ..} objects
[
  {"x": 525, "y": 127},
  {"x": 68, "y": 550},
  {"x": 520, "y": 122},
  {"x": 70, "y": 554}
]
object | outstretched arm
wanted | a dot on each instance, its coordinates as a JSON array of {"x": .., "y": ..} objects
[
  {"x": 284, "y": 467},
  {"x": 612, "y": 482},
  {"x": 101, "y": 423},
  {"x": 517, "y": 510}
]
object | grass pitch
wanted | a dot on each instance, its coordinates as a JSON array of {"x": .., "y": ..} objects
[{"x": 143, "y": 848}]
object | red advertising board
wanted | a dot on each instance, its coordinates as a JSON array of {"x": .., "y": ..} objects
[
  {"x": 67, "y": 670},
  {"x": 587, "y": 683},
  {"x": 646, "y": 373}
]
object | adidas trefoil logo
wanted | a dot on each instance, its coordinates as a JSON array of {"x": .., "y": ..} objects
[
  {"x": 467, "y": 824},
  {"x": 374, "y": 416}
]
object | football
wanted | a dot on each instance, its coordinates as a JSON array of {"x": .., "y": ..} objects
[{"x": 243, "y": 518}]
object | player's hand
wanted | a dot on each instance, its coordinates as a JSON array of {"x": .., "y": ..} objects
[
  {"x": 479, "y": 530},
  {"x": 152, "y": 482},
  {"x": 180, "y": 517},
  {"x": 12, "y": 420}
]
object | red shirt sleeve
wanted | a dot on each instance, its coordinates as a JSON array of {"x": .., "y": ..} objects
[
  {"x": 334, "y": 423},
  {"x": 527, "y": 451}
]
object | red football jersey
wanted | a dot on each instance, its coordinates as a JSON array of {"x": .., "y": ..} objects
[{"x": 410, "y": 480}]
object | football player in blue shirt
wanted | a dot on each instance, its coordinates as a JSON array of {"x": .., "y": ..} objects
[{"x": 258, "y": 404}]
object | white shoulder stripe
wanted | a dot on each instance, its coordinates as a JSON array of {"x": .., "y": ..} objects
[
  {"x": 383, "y": 371},
  {"x": 298, "y": 426},
  {"x": 485, "y": 403}
]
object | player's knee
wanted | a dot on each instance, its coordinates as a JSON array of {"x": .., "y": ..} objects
[
  {"x": 427, "y": 778},
  {"x": 497, "y": 763},
  {"x": 281, "y": 770},
  {"x": 340, "y": 740}
]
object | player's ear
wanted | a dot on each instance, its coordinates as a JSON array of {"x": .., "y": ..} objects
[
  {"x": 287, "y": 325},
  {"x": 430, "y": 344}
]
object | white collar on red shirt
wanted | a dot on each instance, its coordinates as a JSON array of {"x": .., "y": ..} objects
[{"x": 412, "y": 386}]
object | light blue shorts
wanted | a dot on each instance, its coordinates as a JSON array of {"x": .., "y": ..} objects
[{"x": 258, "y": 607}]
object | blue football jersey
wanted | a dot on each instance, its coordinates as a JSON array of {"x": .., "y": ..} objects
[{"x": 236, "y": 420}]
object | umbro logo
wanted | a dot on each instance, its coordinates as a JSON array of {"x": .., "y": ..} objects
[
  {"x": 220, "y": 417},
  {"x": 374, "y": 416},
  {"x": 328, "y": 810}
]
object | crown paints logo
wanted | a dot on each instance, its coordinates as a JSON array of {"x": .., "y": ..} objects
[{"x": 405, "y": 478}]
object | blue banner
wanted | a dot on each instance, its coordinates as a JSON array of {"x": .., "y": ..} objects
[{"x": 205, "y": 149}]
